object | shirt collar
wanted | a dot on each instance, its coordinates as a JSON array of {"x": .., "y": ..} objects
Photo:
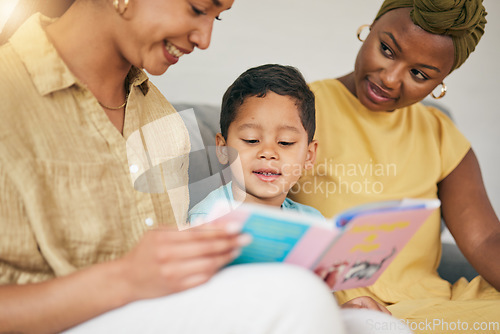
[
  {"x": 137, "y": 78},
  {"x": 46, "y": 68}
]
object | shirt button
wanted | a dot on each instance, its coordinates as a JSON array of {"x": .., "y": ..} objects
[
  {"x": 134, "y": 169},
  {"x": 149, "y": 221}
]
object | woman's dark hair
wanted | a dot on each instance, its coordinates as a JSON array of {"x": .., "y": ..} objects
[{"x": 280, "y": 79}]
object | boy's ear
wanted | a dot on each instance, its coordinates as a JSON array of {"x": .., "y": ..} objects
[
  {"x": 221, "y": 151},
  {"x": 311, "y": 155}
]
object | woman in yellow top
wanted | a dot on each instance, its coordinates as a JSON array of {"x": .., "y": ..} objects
[{"x": 378, "y": 142}]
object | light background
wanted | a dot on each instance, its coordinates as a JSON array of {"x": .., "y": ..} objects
[
  {"x": 6, "y": 8},
  {"x": 319, "y": 37}
]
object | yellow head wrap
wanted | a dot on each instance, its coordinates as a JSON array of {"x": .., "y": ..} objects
[{"x": 463, "y": 20}]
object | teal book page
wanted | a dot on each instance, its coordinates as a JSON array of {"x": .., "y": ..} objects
[{"x": 273, "y": 239}]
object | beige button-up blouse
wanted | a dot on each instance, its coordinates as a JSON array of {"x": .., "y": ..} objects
[{"x": 73, "y": 190}]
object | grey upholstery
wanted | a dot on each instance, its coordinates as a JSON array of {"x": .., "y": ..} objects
[
  {"x": 205, "y": 172},
  {"x": 454, "y": 265}
]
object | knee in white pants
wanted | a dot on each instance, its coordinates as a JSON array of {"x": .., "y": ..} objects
[{"x": 287, "y": 298}]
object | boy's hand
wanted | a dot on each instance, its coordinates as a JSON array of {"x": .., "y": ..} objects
[
  {"x": 365, "y": 302},
  {"x": 329, "y": 274}
]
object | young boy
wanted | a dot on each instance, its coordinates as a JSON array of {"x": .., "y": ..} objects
[{"x": 267, "y": 127}]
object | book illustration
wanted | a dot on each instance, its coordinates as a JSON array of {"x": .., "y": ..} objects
[{"x": 366, "y": 269}]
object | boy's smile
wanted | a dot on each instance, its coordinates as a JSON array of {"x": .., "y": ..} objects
[
  {"x": 267, "y": 175},
  {"x": 272, "y": 147}
]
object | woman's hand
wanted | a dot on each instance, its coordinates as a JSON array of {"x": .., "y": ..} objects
[
  {"x": 365, "y": 302},
  {"x": 167, "y": 261}
]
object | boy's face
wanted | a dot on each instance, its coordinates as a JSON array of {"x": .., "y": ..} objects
[{"x": 272, "y": 146}]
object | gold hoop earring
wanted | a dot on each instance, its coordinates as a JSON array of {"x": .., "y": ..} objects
[
  {"x": 443, "y": 92},
  {"x": 116, "y": 4},
  {"x": 360, "y": 30}
]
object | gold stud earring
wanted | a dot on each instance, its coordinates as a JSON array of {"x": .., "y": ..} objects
[
  {"x": 116, "y": 4},
  {"x": 443, "y": 92},
  {"x": 360, "y": 30}
]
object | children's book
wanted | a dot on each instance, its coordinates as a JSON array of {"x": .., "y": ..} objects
[{"x": 355, "y": 246}]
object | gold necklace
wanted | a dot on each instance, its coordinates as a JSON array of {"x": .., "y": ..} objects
[{"x": 114, "y": 108}]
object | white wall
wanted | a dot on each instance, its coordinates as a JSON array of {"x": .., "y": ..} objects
[{"x": 319, "y": 37}]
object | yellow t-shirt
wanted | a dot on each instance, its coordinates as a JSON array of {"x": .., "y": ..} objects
[
  {"x": 67, "y": 175},
  {"x": 366, "y": 156}
]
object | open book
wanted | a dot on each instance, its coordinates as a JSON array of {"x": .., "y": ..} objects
[{"x": 356, "y": 246}]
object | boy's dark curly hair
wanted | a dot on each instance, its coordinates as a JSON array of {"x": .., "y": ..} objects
[{"x": 257, "y": 81}]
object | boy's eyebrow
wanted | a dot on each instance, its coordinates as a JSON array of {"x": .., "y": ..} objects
[
  {"x": 289, "y": 128},
  {"x": 249, "y": 126},
  {"x": 217, "y": 3},
  {"x": 258, "y": 126}
]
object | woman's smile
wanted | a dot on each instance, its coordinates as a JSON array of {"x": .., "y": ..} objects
[
  {"x": 172, "y": 52},
  {"x": 377, "y": 94}
]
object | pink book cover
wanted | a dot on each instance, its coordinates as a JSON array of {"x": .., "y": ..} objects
[
  {"x": 369, "y": 244},
  {"x": 311, "y": 246}
]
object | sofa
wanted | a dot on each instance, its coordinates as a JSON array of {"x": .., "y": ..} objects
[{"x": 206, "y": 118}]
